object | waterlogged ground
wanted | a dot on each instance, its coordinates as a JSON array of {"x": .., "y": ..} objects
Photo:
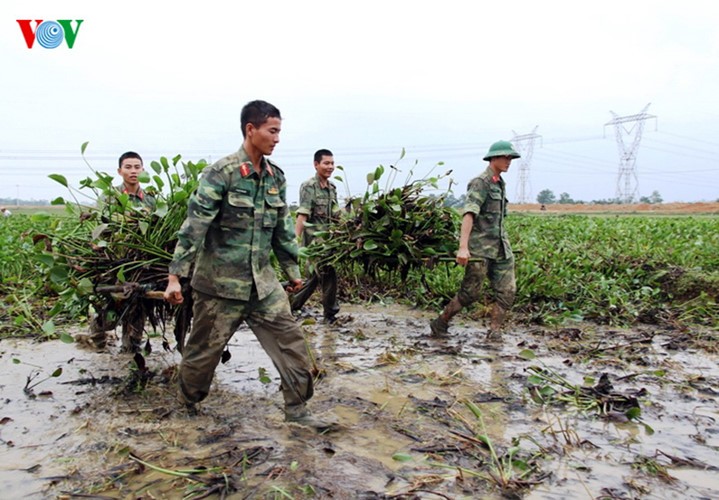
[{"x": 421, "y": 418}]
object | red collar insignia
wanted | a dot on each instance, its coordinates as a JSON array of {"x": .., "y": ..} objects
[
  {"x": 495, "y": 179},
  {"x": 139, "y": 193},
  {"x": 245, "y": 169}
]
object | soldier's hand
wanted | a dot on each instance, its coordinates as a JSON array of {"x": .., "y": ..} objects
[
  {"x": 294, "y": 286},
  {"x": 173, "y": 292},
  {"x": 462, "y": 257}
]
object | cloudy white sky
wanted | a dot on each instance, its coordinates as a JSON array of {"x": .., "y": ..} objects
[{"x": 442, "y": 80}]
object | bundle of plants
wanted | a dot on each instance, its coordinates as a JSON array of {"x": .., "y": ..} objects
[
  {"x": 111, "y": 257},
  {"x": 393, "y": 231}
]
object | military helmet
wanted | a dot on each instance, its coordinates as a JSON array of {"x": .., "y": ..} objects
[{"x": 501, "y": 148}]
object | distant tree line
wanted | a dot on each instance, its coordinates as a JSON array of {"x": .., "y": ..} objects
[
  {"x": 547, "y": 197},
  {"x": 14, "y": 202}
]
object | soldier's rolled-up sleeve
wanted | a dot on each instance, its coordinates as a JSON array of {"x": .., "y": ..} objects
[
  {"x": 306, "y": 198},
  {"x": 202, "y": 209},
  {"x": 476, "y": 195}
]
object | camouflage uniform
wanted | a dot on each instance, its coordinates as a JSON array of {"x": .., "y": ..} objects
[
  {"x": 101, "y": 323},
  {"x": 486, "y": 199},
  {"x": 235, "y": 219},
  {"x": 319, "y": 205},
  {"x": 139, "y": 200},
  {"x": 489, "y": 243}
]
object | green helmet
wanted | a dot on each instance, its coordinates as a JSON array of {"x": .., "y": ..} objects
[{"x": 501, "y": 148}]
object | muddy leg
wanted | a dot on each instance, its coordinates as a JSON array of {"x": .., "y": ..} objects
[
  {"x": 132, "y": 330},
  {"x": 440, "y": 324}
]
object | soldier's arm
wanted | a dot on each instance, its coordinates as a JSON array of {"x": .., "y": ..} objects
[
  {"x": 202, "y": 209},
  {"x": 300, "y": 224},
  {"x": 284, "y": 242},
  {"x": 463, "y": 251}
]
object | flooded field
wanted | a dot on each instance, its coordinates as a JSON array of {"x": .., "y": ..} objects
[{"x": 575, "y": 412}]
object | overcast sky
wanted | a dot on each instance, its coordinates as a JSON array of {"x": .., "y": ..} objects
[{"x": 441, "y": 79}]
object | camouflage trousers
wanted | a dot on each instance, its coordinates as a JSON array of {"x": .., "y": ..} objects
[
  {"x": 326, "y": 278},
  {"x": 501, "y": 279},
  {"x": 216, "y": 319}
]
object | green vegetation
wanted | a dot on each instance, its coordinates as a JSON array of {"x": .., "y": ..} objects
[
  {"x": 607, "y": 269},
  {"x": 53, "y": 264}
]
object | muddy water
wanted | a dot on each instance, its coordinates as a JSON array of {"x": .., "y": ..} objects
[{"x": 399, "y": 395}]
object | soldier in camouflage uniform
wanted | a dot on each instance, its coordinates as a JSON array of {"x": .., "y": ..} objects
[
  {"x": 130, "y": 166},
  {"x": 237, "y": 216},
  {"x": 318, "y": 204},
  {"x": 483, "y": 237}
]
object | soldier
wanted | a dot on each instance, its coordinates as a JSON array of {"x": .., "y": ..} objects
[
  {"x": 318, "y": 204},
  {"x": 129, "y": 167},
  {"x": 483, "y": 238},
  {"x": 237, "y": 216}
]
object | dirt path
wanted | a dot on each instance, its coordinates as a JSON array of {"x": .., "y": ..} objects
[{"x": 401, "y": 397}]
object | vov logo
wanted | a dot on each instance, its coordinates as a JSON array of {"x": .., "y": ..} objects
[{"x": 49, "y": 34}]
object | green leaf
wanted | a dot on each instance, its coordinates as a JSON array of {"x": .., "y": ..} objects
[
  {"x": 165, "y": 164},
  {"x": 634, "y": 413},
  {"x": 535, "y": 380},
  {"x": 158, "y": 182},
  {"x": 527, "y": 354},
  {"x": 16, "y": 361},
  {"x": 370, "y": 245},
  {"x": 67, "y": 339},
  {"x": 179, "y": 196},
  {"x": 84, "y": 147},
  {"x": 57, "y": 372},
  {"x": 48, "y": 328},
  {"x": 40, "y": 217},
  {"x": 59, "y": 178},
  {"x": 58, "y": 201},
  {"x": 156, "y": 166},
  {"x": 402, "y": 457},
  {"x": 58, "y": 274},
  {"x": 264, "y": 378},
  {"x": 176, "y": 159},
  {"x": 45, "y": 259},
  {"x": 85, "y": 286},
  {"x": 547, "y": 391},
  {"x": 370, "y": 178},
  {"x": 144, "y": 226},
  {"x": 338, "y": 178},
  {"x": 143, "y": 177}
]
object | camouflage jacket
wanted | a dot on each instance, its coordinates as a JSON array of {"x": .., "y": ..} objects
[
  {"x": 486, "y": 199},
  {"x": 319, "y": 205},
  {"x": 139, "y": 200},
  {"x": 235, "y": 219}
]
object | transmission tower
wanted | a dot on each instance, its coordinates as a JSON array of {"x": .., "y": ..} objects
[
  {"x": 524, "y": 144},
  {"x": 627, "y": 180}
]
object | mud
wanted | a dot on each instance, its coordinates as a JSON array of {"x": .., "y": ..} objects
[{"x": 401, "y": 398}]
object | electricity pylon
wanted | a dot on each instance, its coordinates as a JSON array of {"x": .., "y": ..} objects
[
  {"x": 627, "y": 179},
  {"x": 524, "y": 144}
]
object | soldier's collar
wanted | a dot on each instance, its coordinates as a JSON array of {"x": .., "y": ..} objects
[{"x": 246, "y": 168}]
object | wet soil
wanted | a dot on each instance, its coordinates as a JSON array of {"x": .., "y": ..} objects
[{"x": 528, "y": 417}]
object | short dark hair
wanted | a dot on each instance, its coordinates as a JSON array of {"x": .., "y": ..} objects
[
  {"x": 125, "y": 156},
  {"x": 257, "y": 113},
  {"x": 320, "y": 153}
]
